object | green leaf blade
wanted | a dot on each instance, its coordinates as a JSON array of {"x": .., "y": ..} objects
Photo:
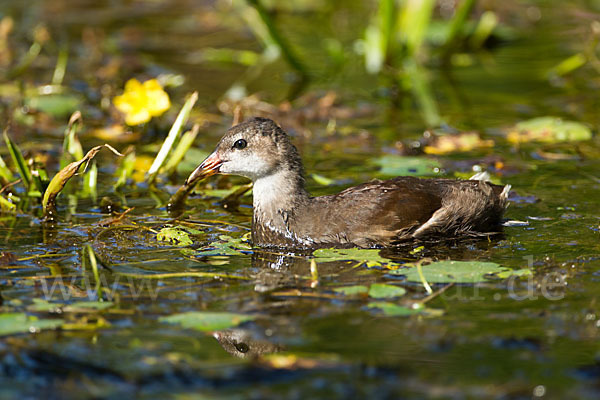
[
  {"x": 12, "y": 323},
  {"x": 207, "y": 321},
  {"x": 385, "y": 291},
  {"x": 452, "y": 272}
]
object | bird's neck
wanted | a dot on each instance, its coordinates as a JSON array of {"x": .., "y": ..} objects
[
  {"x": 280, "y": 202},
  {"x": 279, "y": 193}
]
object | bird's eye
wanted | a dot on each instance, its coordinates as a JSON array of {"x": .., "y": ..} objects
[
  {"x": 240, "y": 144},
  {"x": 242, "y": 347}
]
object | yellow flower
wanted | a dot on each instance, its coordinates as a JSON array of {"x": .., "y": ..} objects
[{"x": 142, "y": 101}]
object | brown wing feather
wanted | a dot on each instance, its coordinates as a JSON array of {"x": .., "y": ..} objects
[{"x": 386, "y": 212}]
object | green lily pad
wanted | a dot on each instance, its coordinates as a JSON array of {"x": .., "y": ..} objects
[
  {"x": 42, "y": 305},
  {"x": 226, "y": 246},
  {"x": 514, "y": 272},
  {"x": 11, "y": 323},
  {"x": 207, "y": 321},
  {"x": 384, "y": 291},
  {"x": 177, "y": 235},
  {"x": 393, "y": 310},
  {"x": 370, "y": 256},
  {"x": 412, "y": 166},
  {"x": 549, "y": 130},
  {"x": 451, "y": 271},
  {"x": 352, "y": 290},
  {"x": 91, "y": 305},
  {"x": 57, "y": 105}
]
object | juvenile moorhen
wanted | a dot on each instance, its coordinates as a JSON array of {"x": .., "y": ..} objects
[{"x": 373, "y": 214}]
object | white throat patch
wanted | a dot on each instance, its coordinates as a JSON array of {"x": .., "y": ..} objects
[{"x": 274, "y": 191}]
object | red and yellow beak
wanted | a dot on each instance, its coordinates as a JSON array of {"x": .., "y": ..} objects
[{"x": 208, "y": 167}]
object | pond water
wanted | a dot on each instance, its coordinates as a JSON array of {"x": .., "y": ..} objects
[{"x": 286, "y": 328}]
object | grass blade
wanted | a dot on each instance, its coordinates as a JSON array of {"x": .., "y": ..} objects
[
  {"x": 173, "y": 134},
  {"x": 88, "y": 256},
  {"x": 90, "y": 181},
  {"x": 28, "y": 59},
  {"x": 568, "y": 65},
  {"x": 276, "y": 38},
  {"x": 61, "y": 66},
  {"x": 5, "y": 173},
  {"x": 458, "y": 22},
  {"x": 184, "y": 144},
  {"x": 485, "y": 27},
  {"x": 423, "y": 280},
  {"x": 421, "y": 89},
  {"x": 125, "y": 169},
  {"x": 379, "y": 36},
  {"x": 18, "y": 160},
  {"x": 6, "y": 206},
  {"x": 414, "y": 21},
  {"x": 39, "y": 180},
  {"x": 72, "y": 149}
]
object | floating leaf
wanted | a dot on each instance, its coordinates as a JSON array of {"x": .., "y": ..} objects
[
  {"x": 11, "y": 323},
  {"x": 384, "y": 291},
  {"x": 91, "y": 305},
  {"x": 514, "y": 272},
  {"x": 57, "y": 105},
  {"x": 44, "y": 305},
  {"x": 370, "y": 256},
  {"x": 549, "y": 130},
  {"x": 414, "y": 166},
  {"x": 451, "y": 271},
  {"x": 226, "y": 246},
  {"x": 207, "y": 321},
  {"x": 352, "y": 290},
  {"x": 177, "y": 235},
  {"x": 393, "y": 310}
]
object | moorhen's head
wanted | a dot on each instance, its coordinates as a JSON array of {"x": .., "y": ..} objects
[{"x": 253, "y": 149}]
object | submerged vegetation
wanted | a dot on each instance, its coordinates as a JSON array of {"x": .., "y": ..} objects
[{"x": 118, "y": 280}]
